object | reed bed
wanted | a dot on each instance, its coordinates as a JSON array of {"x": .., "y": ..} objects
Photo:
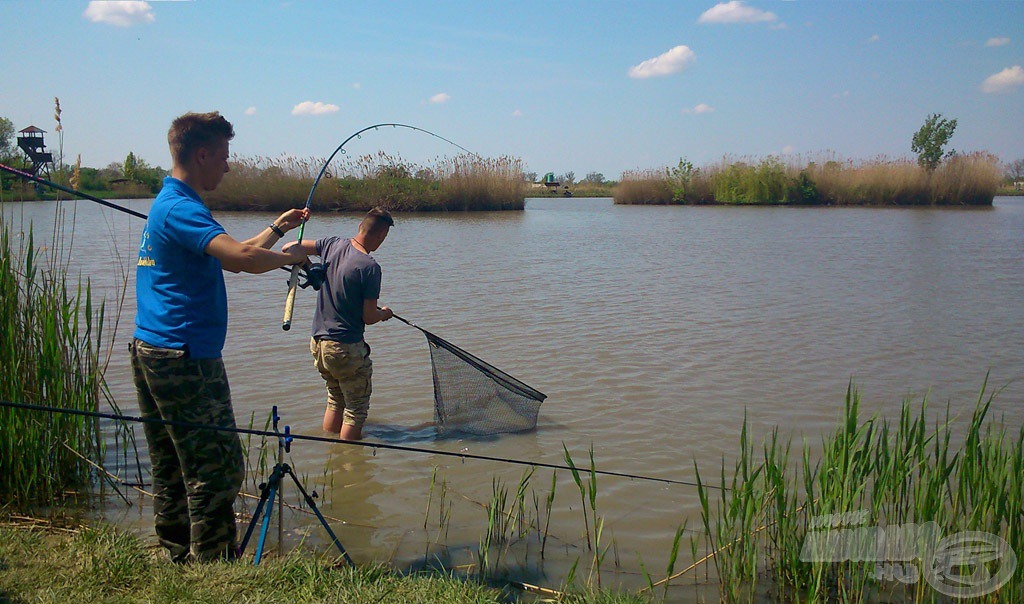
[
  {"x": 968, "y": 180},
  {"x": 461, "y": 183},
  {"x": 891, "y": 512},
  {"x": 49, "y": 355}
]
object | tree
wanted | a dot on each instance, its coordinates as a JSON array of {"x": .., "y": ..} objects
[
  {"x": 6, "y": 138},
  {"x": 930, "y": 140},
  {"x": 1015, "y": 170},
  {"x": 595, "y": 178},
  {"x": 530, "y": 176}
]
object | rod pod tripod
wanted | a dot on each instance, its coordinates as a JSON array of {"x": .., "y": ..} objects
[{"x": 271, "y": 488}]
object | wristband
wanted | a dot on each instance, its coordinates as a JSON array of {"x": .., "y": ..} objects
[{"x": 277, "y": 230}]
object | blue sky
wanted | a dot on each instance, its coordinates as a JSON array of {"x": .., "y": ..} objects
[{"x": 564, "y": 86}]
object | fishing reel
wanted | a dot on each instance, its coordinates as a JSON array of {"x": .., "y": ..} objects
[{"x": 314, "y": 275}]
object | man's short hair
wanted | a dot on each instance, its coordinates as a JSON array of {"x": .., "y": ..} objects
[
  {"x": 192, "y": 131},
  {"x": 376, "y": 220}
]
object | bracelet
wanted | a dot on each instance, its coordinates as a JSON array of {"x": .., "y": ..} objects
[{"x": 277, "y": 230}]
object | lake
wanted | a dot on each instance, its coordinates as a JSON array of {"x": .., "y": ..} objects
[{"x": 652, "y": 330}]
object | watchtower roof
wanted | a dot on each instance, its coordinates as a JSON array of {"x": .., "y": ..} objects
[{"x": 32, "y": 130}]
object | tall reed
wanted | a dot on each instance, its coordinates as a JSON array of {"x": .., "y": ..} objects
[
  {"x": 970, "y": 179},
  {"x": 817, "y": 525},
  {"x": 464, "y": 182},
  {"x": 49, "y": 355}
]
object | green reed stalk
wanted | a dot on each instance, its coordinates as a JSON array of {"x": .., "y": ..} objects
[{"x": 50, "y": 337}]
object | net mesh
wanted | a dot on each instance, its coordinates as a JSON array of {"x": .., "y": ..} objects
[{"x": 474, "y": 397}]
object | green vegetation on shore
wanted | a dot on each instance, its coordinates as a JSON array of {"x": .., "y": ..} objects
[
  {"x": 50, "y": 336},
  {"x": 464, "y": 182},
  {"x": 960, "y": 180},
  {"x": 951, "y": 515},
  {"x": 101, "y": 564}
]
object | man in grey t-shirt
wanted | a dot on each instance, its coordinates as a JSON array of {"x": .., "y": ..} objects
[{"x": 346, "y": 304}]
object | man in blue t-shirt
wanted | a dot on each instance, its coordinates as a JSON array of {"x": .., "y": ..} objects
[
  {"x": 346, "y": 304},
  {"x": 180, "y": 326}
]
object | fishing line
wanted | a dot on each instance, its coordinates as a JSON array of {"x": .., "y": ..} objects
[
  {"x": 287, "y": 434},
  {"x": 289, "y": 303}
]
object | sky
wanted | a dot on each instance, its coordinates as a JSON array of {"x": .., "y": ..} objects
[{"x": 564, "y": 86}]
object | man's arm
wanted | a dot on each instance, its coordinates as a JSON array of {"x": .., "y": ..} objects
[
  {"x": 308, "y": 247},
  {"x": 238, "y": 257},
  {"x": 372, "y": 314},
  {"x": 285, "y": 222}
]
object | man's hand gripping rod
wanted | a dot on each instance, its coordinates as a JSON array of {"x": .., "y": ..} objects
[{"x": 293, "y": 281}]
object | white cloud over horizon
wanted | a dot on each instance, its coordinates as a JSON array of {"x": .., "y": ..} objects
[
  {"x": 997, "y": 42},
  {"x": 1004, "y": 81},
  {"x": 700, "y": 108},
  {"x": 122, "y": 13},
  {"x": 441, "y": 97},
  {"x": 314, "y": 108},
  {"x": 873, "y": 39},
  {"x": 251, "y": 111},
  {"x": 735, "y": 11},
  {"x": 673, "y": 61},
  {"x": 517, "y": 113}
]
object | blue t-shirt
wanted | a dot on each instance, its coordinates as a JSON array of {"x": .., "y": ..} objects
[
  {"x": 352, "y": 277},
  {"x": 182, "y": 302}
]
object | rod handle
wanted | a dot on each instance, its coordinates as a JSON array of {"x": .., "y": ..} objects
[{"x": 289, "y": 303}]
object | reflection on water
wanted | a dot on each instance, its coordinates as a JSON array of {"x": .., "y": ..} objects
[{"x": 652, "y": 330}]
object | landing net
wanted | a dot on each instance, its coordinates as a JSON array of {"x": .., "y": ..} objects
[{"x": 474, "y": 397}]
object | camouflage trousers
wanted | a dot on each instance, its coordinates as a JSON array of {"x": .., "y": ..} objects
[
  {"x": 197, "y": 473},
  {"x": 348, "y": 371}
]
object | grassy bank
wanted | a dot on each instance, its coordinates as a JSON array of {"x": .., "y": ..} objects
[
  {"x": 100, "y": 564},
  {"x": 971, "y": 180},
  {"x": 49, "y": 355},
  {"x": 453, "y": 184}
]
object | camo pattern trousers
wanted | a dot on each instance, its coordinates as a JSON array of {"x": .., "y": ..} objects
[
  {"x": 197, "y": 473},
  {"x": 348, "y": 371}
]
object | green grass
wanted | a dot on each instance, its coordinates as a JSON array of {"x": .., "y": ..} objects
[
  {"x": 49, "y": 355},
  {"x": 102, "y": 565},
  {"x": 971, "y": 180}
]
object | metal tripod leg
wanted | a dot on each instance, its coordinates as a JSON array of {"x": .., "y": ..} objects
[
  {"x": 312, "y": 504},
  {"x": 268, "y": 491}
]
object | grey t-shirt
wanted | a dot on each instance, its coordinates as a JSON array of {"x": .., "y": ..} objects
[{"x": 352, "y": 277}]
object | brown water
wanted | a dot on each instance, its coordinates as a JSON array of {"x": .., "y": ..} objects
[{"x": 651, "y": 329}]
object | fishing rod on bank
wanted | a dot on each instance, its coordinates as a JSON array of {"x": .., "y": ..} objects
[
  {"x": 289, "y": 303},
  {"x": 287, "y": 435},
  {"x": 77, "y": 193}
]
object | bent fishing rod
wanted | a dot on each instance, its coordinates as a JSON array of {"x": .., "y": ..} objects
[
  {"x": 288, "y": 435},
  {"x": 289, "y": 303}
]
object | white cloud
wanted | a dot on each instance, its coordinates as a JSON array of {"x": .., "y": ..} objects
[
  {"x": 250, "y": 111},
  {"x": 1004, "y": 81},
  {"x": 997, "y": 42},
  {"x": 441, "y": 97},
  {"x": 735, "y": 12},
  {"x": 317, "y": 108},
  {"x": 673, "y": 61},
  {"x": 788, "y": 150},
  {"x": 841, "y": 95},
  {"x": 357, "y": 86},
  {"x": 121, "y": 13},
  {"x": 873, "y": 39},
  {"x": 517, "y": 113},
  {"x": 700, "y": 108}
]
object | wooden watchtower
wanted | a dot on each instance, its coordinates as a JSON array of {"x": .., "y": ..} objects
[{"x": 30, "y": 140}]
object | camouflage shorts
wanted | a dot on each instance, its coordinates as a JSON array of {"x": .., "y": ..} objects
[
  {"x": 197, "y": 473},
  {"x": 347, "y": 369}
]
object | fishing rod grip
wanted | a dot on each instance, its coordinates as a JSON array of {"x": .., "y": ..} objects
[{"x": 289, "y": 303}]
